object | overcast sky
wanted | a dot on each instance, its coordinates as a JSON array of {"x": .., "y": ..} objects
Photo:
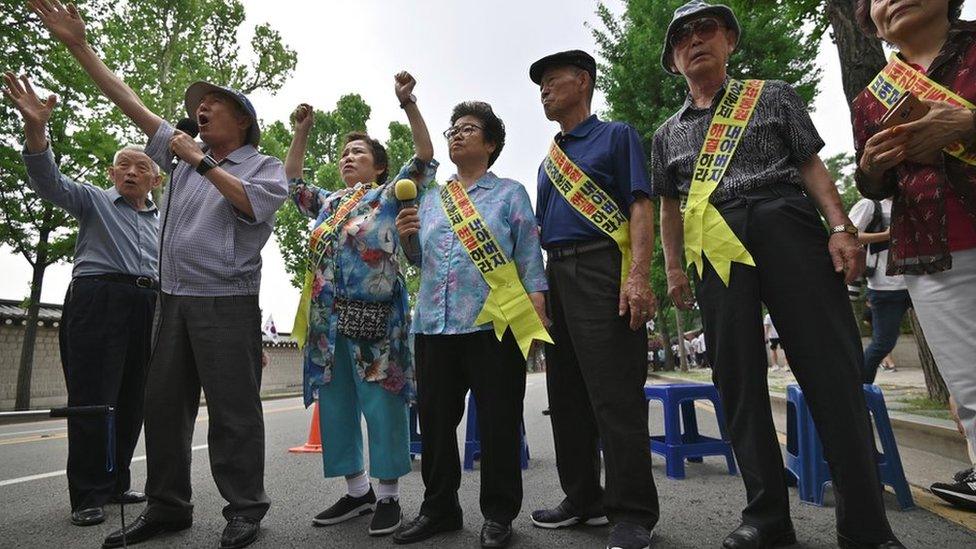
[{"x": 458, "y": 50}]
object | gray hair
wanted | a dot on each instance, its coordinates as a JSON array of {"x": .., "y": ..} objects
[{"x": 135, "y": 148}]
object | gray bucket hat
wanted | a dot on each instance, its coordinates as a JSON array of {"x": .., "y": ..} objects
[
  {"x": 691, "y": 10},
  {"x": 194, "y": 95}
]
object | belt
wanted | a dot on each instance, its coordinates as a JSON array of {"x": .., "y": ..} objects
[
  {"x": 577, "y": 248},
  {"x": 772, "y": 190},
  {"x": 135, "y": 280}
]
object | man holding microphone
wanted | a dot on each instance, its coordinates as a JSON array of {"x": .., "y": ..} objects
[{"x": 222, "y": 200}]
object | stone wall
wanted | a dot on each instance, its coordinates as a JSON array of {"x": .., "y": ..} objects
[{"x": 283, "y": 375}]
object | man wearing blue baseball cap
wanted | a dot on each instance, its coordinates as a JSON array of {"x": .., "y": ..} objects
[
  {"x": 742, "y": 156},
  {"x": 219, "y": 207}
]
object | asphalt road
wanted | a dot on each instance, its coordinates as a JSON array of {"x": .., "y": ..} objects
[{"x": 695, "y": 512}]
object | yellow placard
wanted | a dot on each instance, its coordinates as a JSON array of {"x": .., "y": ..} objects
[
  {"x": 898, "y": 77},
  {"x": 705, "y": 231},
  {"x": 592, "y": 202},
  {"x": 508, "y": 305}
]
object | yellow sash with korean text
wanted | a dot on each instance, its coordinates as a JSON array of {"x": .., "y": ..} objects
[
  {"x": 592, "y": 202},
  {"x": 316, "y": 248},
  {"x": 898, "y": 77},
  {"x": 705, "y": 230},
  {"x": 508, "y": 305}
]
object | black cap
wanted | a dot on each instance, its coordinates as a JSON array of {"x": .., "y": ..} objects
[{"x": 576, "y": 58}]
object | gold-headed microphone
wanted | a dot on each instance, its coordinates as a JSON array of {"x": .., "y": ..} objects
[{"x": 406, "y": 195}]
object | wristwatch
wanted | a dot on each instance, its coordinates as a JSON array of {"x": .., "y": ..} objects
[
  {"x": 410, "y": 99},
  {"x": 206, "y": 164},
  {"x": 845, "y": 228}
]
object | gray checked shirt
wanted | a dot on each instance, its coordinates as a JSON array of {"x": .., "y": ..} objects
[
  {"x": 780, "y": 137},
  {"x": 113, "y": 237},
  {"x": 210, "y": 248}
]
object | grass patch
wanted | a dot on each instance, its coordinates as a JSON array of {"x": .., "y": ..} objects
[{"x": 924, "y": 406}]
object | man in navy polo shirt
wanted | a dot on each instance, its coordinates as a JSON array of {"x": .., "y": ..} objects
[{"x": 598, "y": 231}]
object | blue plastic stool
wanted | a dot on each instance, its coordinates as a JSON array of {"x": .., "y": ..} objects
[
  {"x": 679, "y": 407},
  {"x": 472, "y": 439},
  {"x": 804, "y": 452},
  {"x": 415, "y": 445}
]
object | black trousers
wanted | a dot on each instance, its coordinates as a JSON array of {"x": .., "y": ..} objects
[
  {"x": 595, "y": 375},
  {"x": 213, "y": 343},
  {"x": 104, "y": 337},
  {"x": 807, "y": 300},
  {"x": 494, "y": 371}
]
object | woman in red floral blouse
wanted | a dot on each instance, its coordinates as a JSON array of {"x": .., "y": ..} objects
[{"x": 929, "y": 169}]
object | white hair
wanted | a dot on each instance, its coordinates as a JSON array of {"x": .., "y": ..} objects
[{"x": 135, "y": 148}]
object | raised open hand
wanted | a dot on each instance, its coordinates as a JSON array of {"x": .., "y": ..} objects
[
  {"x": 64, "y": 22},
  {"x": 21, "y": 94}
]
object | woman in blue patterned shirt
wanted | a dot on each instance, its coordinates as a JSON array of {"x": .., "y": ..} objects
[
  {"x": 357, "y": 357},
  {"x": 453, "y": 353}
]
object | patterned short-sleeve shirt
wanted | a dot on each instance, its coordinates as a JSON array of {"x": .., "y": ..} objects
[{"x": 780, "y": 137}]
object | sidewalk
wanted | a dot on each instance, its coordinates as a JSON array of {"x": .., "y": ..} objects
[{"x": 931, "y": 449}]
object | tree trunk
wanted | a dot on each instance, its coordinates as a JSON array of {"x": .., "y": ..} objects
[
  {"x": 933, "y": 379},
  {"x": 861, "y": 56},
  {"x": 682, "y": 357},
  {"x": 30, "y": 330},
  {"x": 662, "y": 324}
]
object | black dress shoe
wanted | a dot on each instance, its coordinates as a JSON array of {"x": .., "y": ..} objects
[
  {"x": 142, "y": 529},
  {"x": 747, "y": 536},
  {"x": 129, "y": 497},
  {"x": 239, "y": 532},
  {"x": 495, "y": 534},
  {"x": 88, "y": 517},
  {"x": 847, "y": 543},
  {"x": 424, "y": 527}
]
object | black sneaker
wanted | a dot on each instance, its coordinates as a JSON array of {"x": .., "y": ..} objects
[
  {"x": 565, "y": 515},
  {"x": 346, "y": 508},
  {"x": 626, "y": 535},
  {"x": 961, "y": 493},
  {"x": 387, "y": 517},
  {"x": 961, "y": 475}
]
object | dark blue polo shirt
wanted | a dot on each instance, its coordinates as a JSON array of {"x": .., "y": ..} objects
[{"x": 611, "y": 154}]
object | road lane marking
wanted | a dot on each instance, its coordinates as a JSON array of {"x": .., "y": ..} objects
[
  {"x": 41, "y": 476},
  {"x": 62, "y": 471},
  {"x": 34, "y": 438},
  {"x": 34, "y": 431}
]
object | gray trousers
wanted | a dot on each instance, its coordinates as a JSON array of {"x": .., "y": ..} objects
[
  {"x": 946, "y": 306},
  {"x": 213, "y": 343}
]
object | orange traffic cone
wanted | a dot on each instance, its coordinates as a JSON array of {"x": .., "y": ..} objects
[{"x": 314, "y": 443}]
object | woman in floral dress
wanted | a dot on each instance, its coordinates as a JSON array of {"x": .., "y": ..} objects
[{"x": 356, "y": 351}]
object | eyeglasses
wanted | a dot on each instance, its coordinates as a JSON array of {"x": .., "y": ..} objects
[
  {"x": 464, "y": 129},
  {"x": 704, "y": 28}
]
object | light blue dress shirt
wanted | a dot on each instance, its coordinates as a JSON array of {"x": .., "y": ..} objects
[{"x": 113, "y": 236}]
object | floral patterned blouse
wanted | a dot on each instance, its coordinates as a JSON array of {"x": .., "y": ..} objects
[
  {"x": 452, "y": 289},
  {"x": 360, "y": 263}
]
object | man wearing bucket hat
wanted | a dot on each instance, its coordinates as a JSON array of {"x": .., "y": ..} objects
[
  {"x": 743, "y": 155},
  {"x": 220, "y": 206},
  {"x": 597, "y": 225}
]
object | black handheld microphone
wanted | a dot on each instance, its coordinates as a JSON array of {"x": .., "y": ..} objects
[
  {"x": 190, "y": 127},
  {"x": 406, "y": 193}
]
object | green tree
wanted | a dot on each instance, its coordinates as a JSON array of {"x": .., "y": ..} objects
[
  {"x": 638, "y": 91},
  {"x": 158, "y": 48}
]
